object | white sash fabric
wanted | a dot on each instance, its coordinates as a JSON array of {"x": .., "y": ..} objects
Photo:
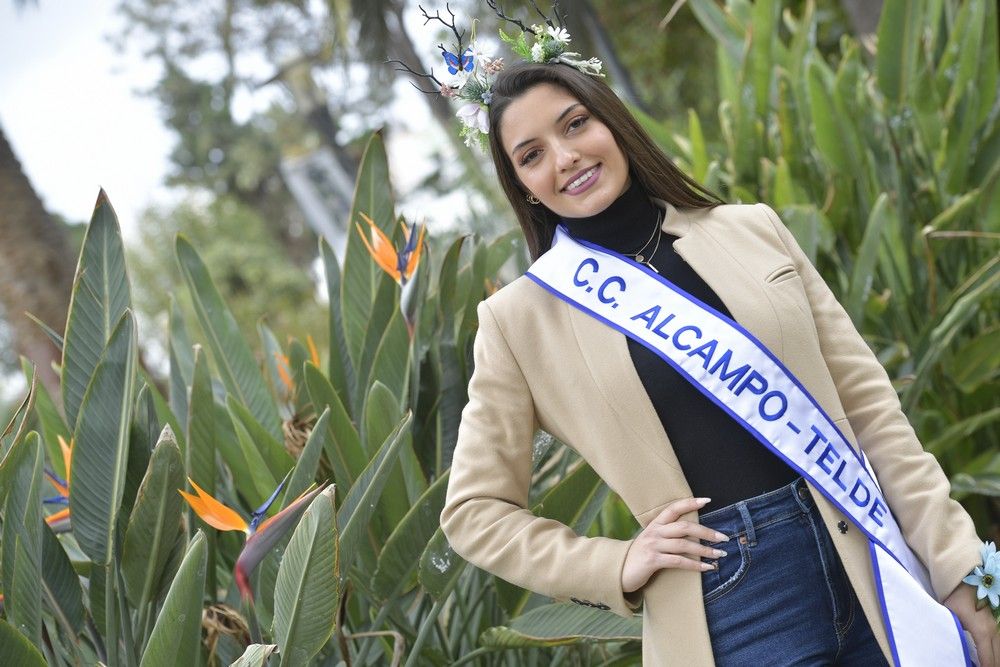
[{"x": 733, "y": 369}]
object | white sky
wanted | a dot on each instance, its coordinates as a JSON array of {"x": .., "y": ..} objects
[
  {"x": 69, "y": 105},
  {"x": 68, "y": 108}
]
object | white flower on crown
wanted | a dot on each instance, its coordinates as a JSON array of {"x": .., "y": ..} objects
[
  {"x": 537, "y": 52},
  {"x": 474, "y": 116},
  {"x": 560, "y": 35}
]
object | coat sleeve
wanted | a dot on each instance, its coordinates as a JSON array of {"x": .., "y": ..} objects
[
  {"x": 937, "y": 528},
  {"x": 486, "y": 517}
]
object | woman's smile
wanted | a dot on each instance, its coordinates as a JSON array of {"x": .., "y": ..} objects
[
  {"x": 583, "y": 180},
  {"x": 563, "y": 154}
]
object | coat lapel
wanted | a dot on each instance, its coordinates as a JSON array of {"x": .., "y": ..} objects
[{"x": 605, "y": 350}]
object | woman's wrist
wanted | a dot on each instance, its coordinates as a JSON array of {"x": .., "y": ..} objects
[{"x": 984, "y": 580}]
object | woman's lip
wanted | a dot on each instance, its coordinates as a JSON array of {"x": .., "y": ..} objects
[{"x": 586, "y": 185}]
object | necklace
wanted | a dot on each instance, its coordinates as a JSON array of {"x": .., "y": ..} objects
[{"x": 640, "y": 256}]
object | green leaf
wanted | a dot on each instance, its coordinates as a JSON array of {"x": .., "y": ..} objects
[
  {"x": 381, "y": 414},
  {"x": 199, "y": 452},
  {"x": 346, "y": 455},
  {"x": 272, "y": 352},
  {"x": 961, "y": 431},
  {"x": 405, "y": 546},
  {"x": 561, "y": 624},
  {"x": 304, "y": 473},
  {"x": 371, "y": 197},
  {"x": 392, "y": 358},
  {"x": 307, "y": 591},
  {"x": 256, "y": 655},
  {"x": 18, "y": 424},
  {"x": 383, "y": 307},
  {"x": 699, "y": 152},
  {"x": 440, "y": 566},
  {"x": 883, "y": 214},
  {"x": 63, "y": 594},
  {"x": 977, "y": 361},
  {"x": 357, "y": 509},
  {"x": 271, "y": 450},
  {"x": 17, "y": 650},
  {"x": 100, "y": 298},
  {"x": 229, "y": 447},
  {"x": 50, "y": 421},
  {"x": 340, "y": 370},
  {"x": 232, "y": 356},
  {"x": 176, "y": 637},
  {"x": 21, "y": 547},
  {"x": 826, "y": 125},
  {"x": 763, "y": 35},
  {"x": 263, "y": 481},
  {"x": 181, "y": 364},
  {"x": 100, "y": 454},
  {"x": 156, "y": 518},
  {"x": 899, "y": 42},
  {"x": 965, "y": 306},
  {"x": 721, "y": 25}
]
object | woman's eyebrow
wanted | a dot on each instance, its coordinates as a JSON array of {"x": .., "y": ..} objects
[{"x": 561, "y": 116}]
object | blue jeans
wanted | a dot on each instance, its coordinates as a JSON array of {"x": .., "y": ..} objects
[{"x": 781, "y": 596}]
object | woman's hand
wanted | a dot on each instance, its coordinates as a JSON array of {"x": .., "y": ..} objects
[
  {"x": 979, "y": 623},
  {"x": 668, "y": 542}
]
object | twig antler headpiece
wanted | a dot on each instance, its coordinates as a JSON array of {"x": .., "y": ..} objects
[{"x": 473, "y": 72}]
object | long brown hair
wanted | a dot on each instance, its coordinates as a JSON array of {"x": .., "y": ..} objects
[{"x": 654, "y": 171}]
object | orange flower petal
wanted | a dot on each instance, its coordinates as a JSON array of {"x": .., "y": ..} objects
[
  {"x": 213, "y": 512},
  {"x": 58, "y": 516},
  {"x": 286, "y": 379},
  {"x": 67, "y": 454},
  {"x": 380, "y": 248},
  {"x": 313, "y": 352}
]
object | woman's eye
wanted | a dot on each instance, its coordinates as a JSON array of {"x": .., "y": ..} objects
[
  {"x": 577, "y": 122},
  {"x": 528, "y": 157}
]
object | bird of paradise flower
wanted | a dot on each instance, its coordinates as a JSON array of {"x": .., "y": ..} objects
[
  {"x": 400, "y": 265},
  {"x": 60, "y": 521},
  {"x": 262, "y": 534}
]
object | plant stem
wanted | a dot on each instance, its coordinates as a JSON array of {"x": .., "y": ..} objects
[
  {"x": 469, "y": 657},
  {"x": 131, "y": 658},
  {"x": 251, "y": 614},
  {"x": 429, "y": 621},
  {"x": 379, "y": 618},
  {"x": 110, "y": 616}
]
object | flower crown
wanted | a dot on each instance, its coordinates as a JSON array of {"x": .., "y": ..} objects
[{"x": 473, "y": 72}]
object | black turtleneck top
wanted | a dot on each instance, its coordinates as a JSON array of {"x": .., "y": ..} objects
[{"x": 720, "y": 459}]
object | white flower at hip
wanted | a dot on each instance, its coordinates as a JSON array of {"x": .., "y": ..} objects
[
  {"x": 560, "y": 35},
  {"x": 474, "y": 116}
]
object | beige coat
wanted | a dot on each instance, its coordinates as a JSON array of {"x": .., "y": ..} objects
[{"x": 541, "y": 363}]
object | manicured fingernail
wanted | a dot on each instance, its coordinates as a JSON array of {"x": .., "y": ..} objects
[
  {"x": 719, "y": 553},
  {"x": 719, "y": 537},
  {"x": 707, "y": 566},
  {"x": 703, "y": 501}
]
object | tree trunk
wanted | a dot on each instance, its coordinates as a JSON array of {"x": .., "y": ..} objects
[{"x": 36, "y": 266}]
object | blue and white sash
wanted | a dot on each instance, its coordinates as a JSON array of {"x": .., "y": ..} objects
[{"x": 739, "y": 374}]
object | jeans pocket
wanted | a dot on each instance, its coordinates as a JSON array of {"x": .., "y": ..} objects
[{"x": 731, "y": 571}]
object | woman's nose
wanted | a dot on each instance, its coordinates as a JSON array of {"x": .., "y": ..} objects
[{"x": 566, "y": 157}]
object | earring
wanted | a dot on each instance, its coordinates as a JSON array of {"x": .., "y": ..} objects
[{"x": 532, "y": 199}]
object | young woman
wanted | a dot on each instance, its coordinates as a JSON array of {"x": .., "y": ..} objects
[{"x": 740, "y": 561}]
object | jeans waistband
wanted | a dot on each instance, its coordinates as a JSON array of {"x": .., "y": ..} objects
[{"x": 747, "y": 515}]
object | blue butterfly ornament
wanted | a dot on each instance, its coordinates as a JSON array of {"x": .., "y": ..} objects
[{"x": 455, "y": 63}]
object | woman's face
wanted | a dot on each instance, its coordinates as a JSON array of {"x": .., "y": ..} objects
[{"x": 562, "y": 153}]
